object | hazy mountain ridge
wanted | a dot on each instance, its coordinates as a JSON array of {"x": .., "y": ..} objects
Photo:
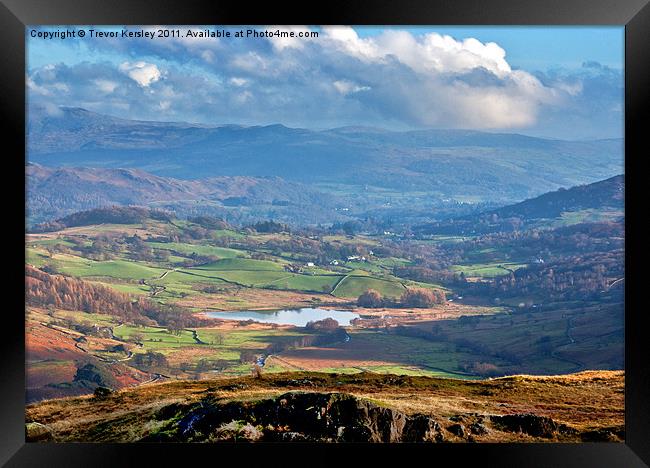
[
  {"x": 56, "y": 192},
  {"x": 444, "y": 163}
]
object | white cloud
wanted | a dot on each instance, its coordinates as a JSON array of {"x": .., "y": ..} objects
[
  {"x": 35, "y": 88},
  {"x": 573, "y": 89},
  {"x": 236, "y": 81},
  {"x": 106, "y": 86},
  {"x": 142, "y": 73},
  {"x": 250, "y": 62},
  {"x": 452, "y": 82},
  {"x": 392, "y": 79},
  {"x": 346, "y": 39},
  {"x": 346, "y": 87}
]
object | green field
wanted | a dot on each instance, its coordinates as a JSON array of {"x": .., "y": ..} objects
[
  {"x": 188, "y": 249},
  {"x": 122, "y": 269},
  {"x": 241, "y": 264},
  {"x": 488, "y": 270},
  {"x": 156, "y": 338},
  {"x": 82, "y": 267},
  {"x": 316, "y": 283},
  {"x": 354, "y": 286},
  {"x": 128, "y": 288}
]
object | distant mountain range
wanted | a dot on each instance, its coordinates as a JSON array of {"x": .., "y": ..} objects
[
  {"x": 603, "y": 200},
  {"x": 436, "y": 164},
  {"x": 56, "y": 192}
]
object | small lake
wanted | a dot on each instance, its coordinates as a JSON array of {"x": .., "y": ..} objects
[{"x": 296, "y": 317}]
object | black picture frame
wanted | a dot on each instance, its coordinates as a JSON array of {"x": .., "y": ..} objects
[{"x": 15, "y": 15}]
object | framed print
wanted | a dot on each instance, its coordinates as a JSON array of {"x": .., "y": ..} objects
[{"x": 360, "y": 231}]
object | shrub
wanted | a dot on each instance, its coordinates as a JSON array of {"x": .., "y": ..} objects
[
  {"x": 325, "y": 324},
  {"x": 102, "y": 392},
  {"x": 257, "y": 371},
  {"x": 484, "y": 369},
  {"x": 370, "y": 299},
  {"x": 247, "y": 356},
  {"x": 420, "y": 297}
]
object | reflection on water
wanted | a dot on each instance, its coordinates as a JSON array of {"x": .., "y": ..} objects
[{"x": 296, "y": 317}]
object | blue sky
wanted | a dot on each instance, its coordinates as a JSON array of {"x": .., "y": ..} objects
[{"x": 556, "y": 82}]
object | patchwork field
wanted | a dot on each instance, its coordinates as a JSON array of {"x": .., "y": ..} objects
[
  {"x": 234, "y": 267},
  {"x": 467, "y": 338}
]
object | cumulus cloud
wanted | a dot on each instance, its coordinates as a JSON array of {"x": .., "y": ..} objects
[
  {"x": 142, "y": 73},
  {"x": 393, "y": 79}
]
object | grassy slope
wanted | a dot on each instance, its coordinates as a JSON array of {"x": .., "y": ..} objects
[{"x": 584, "y": 401}]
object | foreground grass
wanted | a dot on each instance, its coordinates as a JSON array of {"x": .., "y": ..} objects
[{"x": 585, "y": 401}]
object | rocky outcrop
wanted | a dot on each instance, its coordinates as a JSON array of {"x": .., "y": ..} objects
[
  {"x": 296, "y": 416},
  {"x": 36, "y": 432},
  {"x": 340, "y": 417},
  {"x": 458, "y": 430},
  {"x": 606, "y": 434},
  {"x": 531, "y": 424}
]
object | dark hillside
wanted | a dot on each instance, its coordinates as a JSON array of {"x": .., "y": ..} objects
[{"x": 606, "y": 196}]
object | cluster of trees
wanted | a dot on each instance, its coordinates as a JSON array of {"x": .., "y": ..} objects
[
  {"x": 327, "y": 324},
  {"x": 421, "y": 297},
  {"x": 316, "y": 250},
  {"x": 210, "y": 222},
  {"x": 371, "y": 299},
  {"x": 484, "y": 369},
  {"x": 570, "y": 240},
  {"x": 149, "y": 360},
  {"x": 426, "y": 274},
  {"x": 92, "y": 372},
  {"x": 369, "y": 224},
  {"x": 477, "y": 224},
  {"x": 205, "y": 365},
  {"x": 412, "y": 297},
  {"x": 270, "y": 227},
  {"x": 247, "y": 356},
  {"x": 63, "y": 292},
  {"x": 111, "y": 214},
  {"x": 568, "y": 278},
  {"x": 196, "y": 259}
]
